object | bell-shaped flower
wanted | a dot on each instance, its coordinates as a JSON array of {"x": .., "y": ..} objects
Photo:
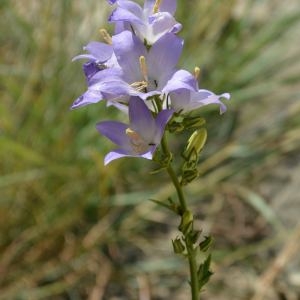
[
  {"x": 182, "y": 90},
  {"x": 140, "y": 137},
  {"x": 145, "y": 72},
  {"x": 149, "y": 23},
  {"x": 140, "y": 72}
]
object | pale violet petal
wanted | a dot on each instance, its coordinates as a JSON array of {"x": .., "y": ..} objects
[
  {"x": 141, "y": 119},
  {"x": 116, "y": 132},
  {"x": 161, "y": 121},
  {"x": 181, "y": 79},
  {"x": 161, "y": 61},
  {"x": 128, "y": 49},
  {"x": 89, "y": 97}
]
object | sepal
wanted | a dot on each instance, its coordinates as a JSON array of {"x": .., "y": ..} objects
[
  {"x": 205, "y": 245},
  {"x": 186, "y": 224},
  {"x": 178, "y": 246},
  {"x": 203, "y": 272},
  {"x": 171, "y": 205}
]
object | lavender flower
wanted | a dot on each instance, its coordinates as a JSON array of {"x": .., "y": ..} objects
[
  {"x": 140, "y": 137},
  {"x": 184, "y": 94},
  {"x": 136, "y": 72},
  {"x": 149, "y": 23},
  {"x": 100, "y": 56}
]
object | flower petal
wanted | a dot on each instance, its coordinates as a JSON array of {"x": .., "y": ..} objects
[
  {"x": 128, "y": 50},
  {"x": 99, "y": 52},
  {"x": 205, "y": 97},
  {"x": 181, "y": 80},
  {"x": 116, "y": 88},
  {"x": 161, "y": 61},
  {"x": 168, "y": 5},
  {"x": 124, "y": 15},
  {"x": 141, "y": 119},
  {"x": 161, "y": 23},
  {"x": 181, "y": 100},
  {"x": 116, "y": 132},
  {"x": 161, "y": 121},
  {"x": 119, "y": 153},
  {"x": 89, "y": 97},
  {"x": 115, "y": 154}
]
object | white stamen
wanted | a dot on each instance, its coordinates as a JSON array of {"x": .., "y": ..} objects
[
  {"x": 197, "y": 72},
  {"x": 156, "y": 6},
  {"x": 106, "y": 36},
  {"x": 143, "y": 67}
]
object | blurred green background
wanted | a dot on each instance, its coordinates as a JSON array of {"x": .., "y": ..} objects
[{"x": 72, "y": 229}]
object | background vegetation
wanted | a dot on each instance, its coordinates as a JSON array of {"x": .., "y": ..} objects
[{"x": 72, "y": 229}]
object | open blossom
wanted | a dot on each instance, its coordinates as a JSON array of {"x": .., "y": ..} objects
[
  {"x": 140, "y": 137},
  {"x": 150, "y": 22},
  {"x": 100, "y": 56},
  {"x": 184, "y": 94},
  {"x": 136, "y": 72}
]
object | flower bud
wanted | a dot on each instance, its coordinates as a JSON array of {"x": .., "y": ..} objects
[
  {"x": 193, "y": 122},
  {"x": 178, "y": 246},
  {"x": 186, "y": 224},
  {"x": 195, "y": 145}
]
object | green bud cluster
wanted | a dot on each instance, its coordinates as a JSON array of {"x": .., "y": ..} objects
[
  {"x": 191, "y": 155},
  {"x": 189, "y": 244}
]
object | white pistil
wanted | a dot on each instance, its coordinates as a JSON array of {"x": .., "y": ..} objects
[
  {"x": 138, "y": 144},
  {"x": 197, "y": 72},
  {"x": 106, "y": 36},
  {"x": 156, "y": 6}
]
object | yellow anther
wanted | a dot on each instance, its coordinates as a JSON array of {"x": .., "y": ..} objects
[
  {"x": 156, "y": 6},
  {"x": 137, "y": 142},
  {"x": 139, "y": 85},
  {"x": 106, "y": 36},
  {"x": 133, "y": 135},
  {"x": 197, "y": 72},
  {"x": 143, "y": 67}
]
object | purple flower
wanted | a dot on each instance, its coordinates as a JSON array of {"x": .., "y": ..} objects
[
  {"x": 100, "y": 56},
  {"x": 145, "y": 72},
  {"x": 140, "y": 137},
  {"x": 184, "y": 95},
  {"x": 140, "y": 72},
  {"x": 148, "y": 23}
]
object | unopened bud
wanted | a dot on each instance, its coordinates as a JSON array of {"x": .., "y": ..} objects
[
  {"x": 186, "y": 224},
  {"x": 178, "y": 246},
  {"x": 193, "y": 122},
  {"x": 195, "y": 145}
]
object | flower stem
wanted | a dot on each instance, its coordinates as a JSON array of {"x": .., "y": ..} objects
[{"x": 191, "y": 253}]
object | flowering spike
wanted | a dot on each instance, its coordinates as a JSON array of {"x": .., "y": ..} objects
[
  {"x": 156, "y": 6},
  {"x": 106, "y": 36},
  {"x": 197, "y": 73}
]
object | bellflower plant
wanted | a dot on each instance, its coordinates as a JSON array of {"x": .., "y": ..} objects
[{"x": 136, "y": 71}]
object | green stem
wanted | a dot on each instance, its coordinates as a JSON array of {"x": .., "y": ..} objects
[
  {"x": 193, "y": 272},
  {"x": 190, "y": 249}
]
